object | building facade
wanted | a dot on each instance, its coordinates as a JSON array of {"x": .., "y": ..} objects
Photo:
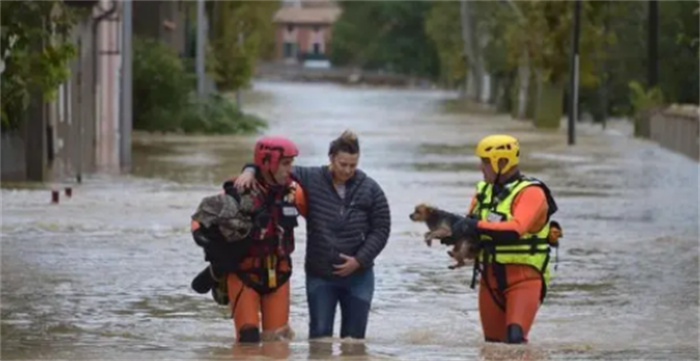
[{"x": 304, "y": 30}]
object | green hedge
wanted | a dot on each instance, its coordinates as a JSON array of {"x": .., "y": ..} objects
[{"x": 164, "y": 98}]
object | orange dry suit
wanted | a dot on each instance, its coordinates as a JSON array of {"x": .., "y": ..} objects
[
  {"x": 256, "y": 271},
  {"x": 515, "y": 234}
]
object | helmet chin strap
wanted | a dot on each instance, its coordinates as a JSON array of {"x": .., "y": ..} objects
[{"x": 273, "y": 179}]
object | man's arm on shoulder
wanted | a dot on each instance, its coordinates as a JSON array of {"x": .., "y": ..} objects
[
  {"x": 299, "y": 173},
  {"x": 303, "y": 174}
]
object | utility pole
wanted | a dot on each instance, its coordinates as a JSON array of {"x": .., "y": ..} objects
[
  {"x": 573, "y": 92},
  {"x": 126, "y": 85},
  {"x": 201, "y": 47}
]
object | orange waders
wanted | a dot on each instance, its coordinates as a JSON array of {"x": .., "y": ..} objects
[
  {"x": 521, "y": 300},
  {"x": 248, "y": 304}
]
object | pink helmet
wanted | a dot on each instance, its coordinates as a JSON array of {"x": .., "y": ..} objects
[{"x": 270, "y": 150}]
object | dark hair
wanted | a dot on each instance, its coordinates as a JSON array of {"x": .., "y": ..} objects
[{"x": 346, "y": 142}]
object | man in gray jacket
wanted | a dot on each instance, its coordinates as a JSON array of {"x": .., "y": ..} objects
[{"x": 348, "y": 225}]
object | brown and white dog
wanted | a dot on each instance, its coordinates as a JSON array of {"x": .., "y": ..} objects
[{"x": 439, "y": 224}]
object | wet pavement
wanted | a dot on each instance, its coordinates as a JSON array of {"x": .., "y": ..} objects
[{"x": 106, "y": 273}]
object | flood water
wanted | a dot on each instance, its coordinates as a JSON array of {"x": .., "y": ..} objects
[{"x": 106, "y": 274}]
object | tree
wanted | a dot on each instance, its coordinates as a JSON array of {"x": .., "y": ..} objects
[
  {"x": 161, "y": 85},
  {"x": 387, "y": 35},
  {"x": 241, "y": 31},
  {"x": 472, "y": 40},
  {"x": 469, "y": 40},
  {"x": 442, "y": 25},
  {"x": 496, "y": 21},
  {"x": 36, "y": 53},
  {"x": 625, "y": 58},
  {"x": 544, "y": 35},
  {"x": 678, "y": 51}
]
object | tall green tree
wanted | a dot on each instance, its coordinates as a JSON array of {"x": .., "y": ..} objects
[
  {"x": 625, "y": 58},
  {"x": 678, "y": 50},
  {"x": 386, "y": 35},
  {"x": 36, "y": 53},
  {"x": 442, "y": 25},
  {"x": 241, "y": 33},
  {"x": 544, "y": 36}
]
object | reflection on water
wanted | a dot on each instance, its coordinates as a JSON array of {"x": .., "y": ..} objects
[{"x": 106, "y": 274}]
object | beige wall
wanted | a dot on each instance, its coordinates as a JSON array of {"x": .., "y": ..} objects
[{"x": 677, "y": 128}]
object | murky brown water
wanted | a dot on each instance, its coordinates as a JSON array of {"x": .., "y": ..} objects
[{"x": 105, "y": 275}]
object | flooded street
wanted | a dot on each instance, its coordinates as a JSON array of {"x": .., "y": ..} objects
[{"x": 106, "y": 274}]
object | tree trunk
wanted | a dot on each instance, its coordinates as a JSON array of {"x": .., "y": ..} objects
[
  {"x": 473, "y": 62},
  {"x": 549, "y": 104},
  {"x": 523, "y": 85}
]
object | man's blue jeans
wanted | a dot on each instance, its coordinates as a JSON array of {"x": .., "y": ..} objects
[{"x": 354, "y": 293}]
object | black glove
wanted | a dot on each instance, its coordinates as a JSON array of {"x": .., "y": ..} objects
[
  {"x": 207, "y": 236},
  {"x": 465, "y": 228},
  {"x": 200, "y": 237},
  {"x": 448, "y": 241}
]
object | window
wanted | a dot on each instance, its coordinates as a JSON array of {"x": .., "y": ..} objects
[
  {"x": 288, "y": 50},
  {"x": 290, "y": 28},
  {"x": 317, "y": 28}
]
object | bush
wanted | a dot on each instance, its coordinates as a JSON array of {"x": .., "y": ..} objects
[
  {"x": 217, "y": 114},
  {"x": 164, "y": 99},
  {"x": 642, "y": 100},
  {"x": 161, "y": 86},
  {"x": 644, "y": 103}
]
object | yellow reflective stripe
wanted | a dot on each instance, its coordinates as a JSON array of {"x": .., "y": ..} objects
[{"x": 524, "y": 248}]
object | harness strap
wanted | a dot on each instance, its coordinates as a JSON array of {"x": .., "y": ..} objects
[
  {"x": 262, "y": 287},
  {"x": 498, "y": 272},
  {"x": 498, "y": 269},
  {"x": 475, "y": 273},
  {"x": 544, "y": 284},
  {"x": 235, "y": 302}
]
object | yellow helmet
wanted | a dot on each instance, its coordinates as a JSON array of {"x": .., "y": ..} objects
[{"x": 499, "y": 146}]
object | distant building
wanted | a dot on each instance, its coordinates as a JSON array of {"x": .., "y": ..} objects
[{"x": 304, "y": 29}]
